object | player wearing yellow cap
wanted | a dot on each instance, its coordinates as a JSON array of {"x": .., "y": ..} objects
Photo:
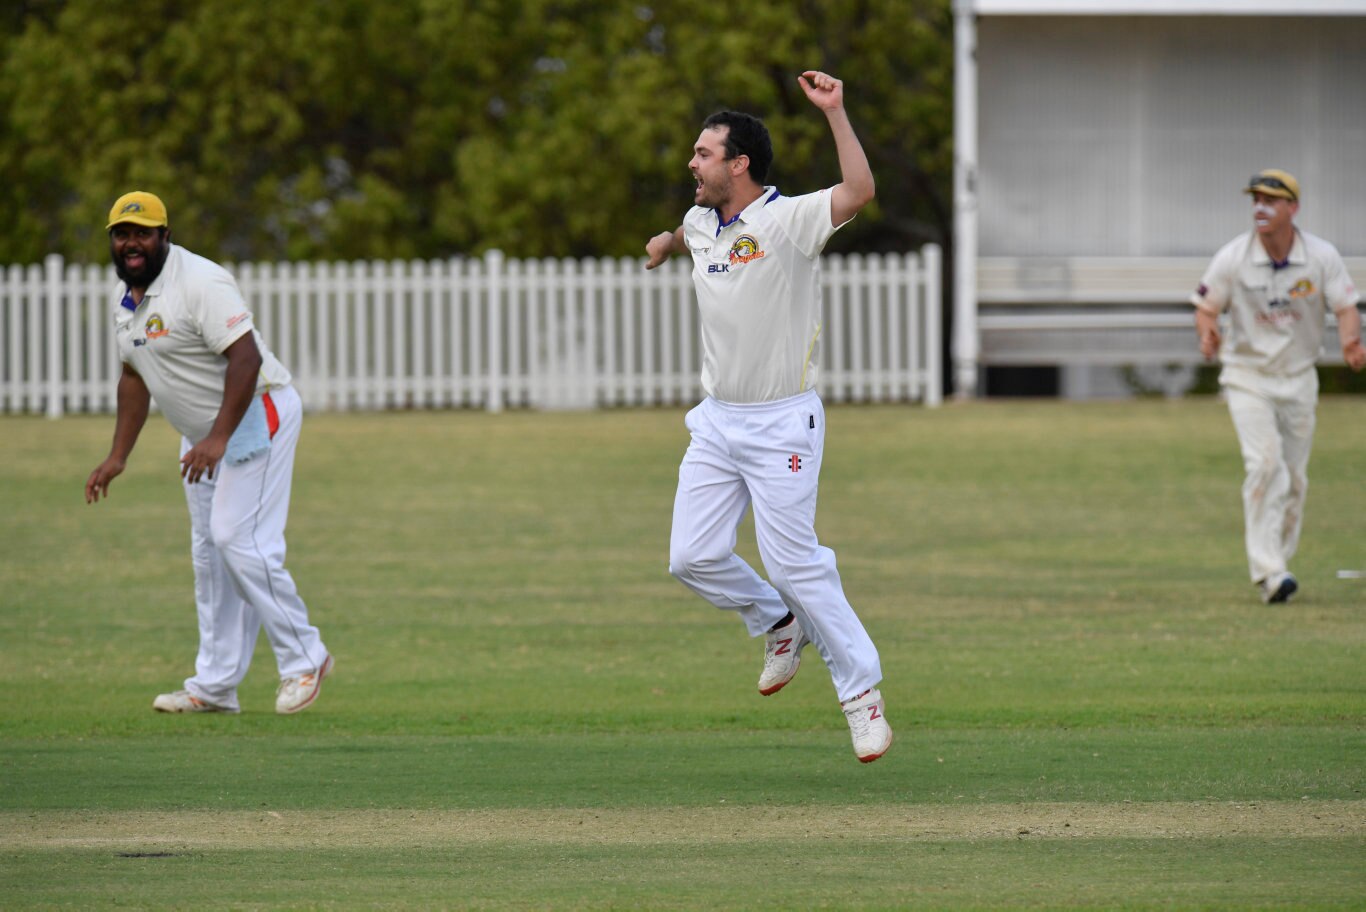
[
  {"x": 187, "y": 341},
  {"x": 1275, "y": 285}
]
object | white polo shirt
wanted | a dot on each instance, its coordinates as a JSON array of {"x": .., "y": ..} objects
[
  {"x": 1276, "y": 311},
  {"x": 176, "y": 337},
  {"x": 759, "y": 295}
]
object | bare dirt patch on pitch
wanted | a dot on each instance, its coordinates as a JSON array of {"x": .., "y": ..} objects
[{"x": 375, "y": 828}]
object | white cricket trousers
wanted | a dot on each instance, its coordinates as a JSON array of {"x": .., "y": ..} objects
[
  {"x": 1274, "y": 418},
  {"x": 237, "y": 542},
  {"x": 769, "y": 455}
]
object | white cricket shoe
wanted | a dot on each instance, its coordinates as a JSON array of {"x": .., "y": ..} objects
[
  {"x": 782, "y": 655},
  {"x": 868, "y": 725},
  {"x": 182, "y": 701},
  {"x": 296, "y": 694}
]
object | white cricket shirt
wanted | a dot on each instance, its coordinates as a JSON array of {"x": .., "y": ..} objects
[
  {"x": 1276, "y": 311},
  {"x": 176, "y": 337},
  {"x": 759, "y": 295}
]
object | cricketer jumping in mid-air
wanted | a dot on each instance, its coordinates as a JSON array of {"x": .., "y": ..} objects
[{"x": 759, "y": 435}]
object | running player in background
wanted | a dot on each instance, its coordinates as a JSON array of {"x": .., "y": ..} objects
[
  {"x": 187, "y": 340},
  {"x": 759, "y": 435},
  {"x": 1276, "y": 283}
]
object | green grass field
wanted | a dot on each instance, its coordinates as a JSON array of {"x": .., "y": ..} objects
[{"x": 1092, "y": 707}]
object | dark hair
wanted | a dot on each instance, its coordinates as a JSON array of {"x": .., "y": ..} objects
[{"x": 746, "y": 135}]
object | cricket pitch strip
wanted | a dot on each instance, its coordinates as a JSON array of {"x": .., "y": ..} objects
[{"x": 203, "y": 830}]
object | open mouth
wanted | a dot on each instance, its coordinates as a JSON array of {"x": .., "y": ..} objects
[{"x": 134, "y": 261}]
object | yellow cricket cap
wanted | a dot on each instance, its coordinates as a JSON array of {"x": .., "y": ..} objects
[
  {"x": 1274, "y": 182},
  {"x": 138, "y": 208}
]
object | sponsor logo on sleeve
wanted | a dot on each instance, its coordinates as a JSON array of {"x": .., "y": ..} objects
[{"x": 234, "y": 320}]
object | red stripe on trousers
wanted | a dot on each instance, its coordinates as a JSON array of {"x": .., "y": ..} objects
[{"x": 272, "y": 416}]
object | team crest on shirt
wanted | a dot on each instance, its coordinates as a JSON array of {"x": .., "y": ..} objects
[
  {"x": 745, "y": 249},
  {"x": 155, "y": 327},
  {"x": 1303, "y": 289}
]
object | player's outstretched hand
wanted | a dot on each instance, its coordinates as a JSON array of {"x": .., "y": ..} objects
[
  {"x": 1354, "y": 354},
  {"x": 825, "y": 91},
  {"x": 659, "y": 248},
  {"x": 97, "y": 485}
]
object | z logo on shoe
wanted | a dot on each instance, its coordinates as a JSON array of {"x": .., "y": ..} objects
[{"x": 783, "y": 647}]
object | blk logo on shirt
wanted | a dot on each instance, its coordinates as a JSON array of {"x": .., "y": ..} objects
[{"x": 794, "y": 463}]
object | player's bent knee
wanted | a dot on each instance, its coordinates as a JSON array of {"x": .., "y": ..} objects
[
  {"x": 232, "y": 538},
  {"x": 684, "y": 570},
  {"x": 1263, "y": 476},
  {"x": 686, "y": 566}
]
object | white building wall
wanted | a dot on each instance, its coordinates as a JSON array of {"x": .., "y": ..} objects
[{"x": 1132, "y": 135}]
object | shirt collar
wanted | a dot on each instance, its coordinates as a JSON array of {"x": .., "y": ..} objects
[
  {"x": 1296, "y": 257},
  {"x": 747, "y": 213}
]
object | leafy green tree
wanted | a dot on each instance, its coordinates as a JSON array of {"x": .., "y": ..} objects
[
  {"x": 590, "y": 155},
  {"x": 425, "y": 128},
  {"x": 253, "y": 119}
]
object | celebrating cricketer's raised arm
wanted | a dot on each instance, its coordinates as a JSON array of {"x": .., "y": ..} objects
[
  {"x": 663, "y": 245},
  {"x": 856, "y": 187}
]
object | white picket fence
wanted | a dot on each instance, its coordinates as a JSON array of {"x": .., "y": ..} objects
[{"x": 486, "y": 332}]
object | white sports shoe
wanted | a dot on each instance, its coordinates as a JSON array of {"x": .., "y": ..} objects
[
  {"x": 868, "y": 725},
  {"x": 782, "y": 655},
  {"x": 182, "y": 701},
  {"x": 299, "y": 693}
]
